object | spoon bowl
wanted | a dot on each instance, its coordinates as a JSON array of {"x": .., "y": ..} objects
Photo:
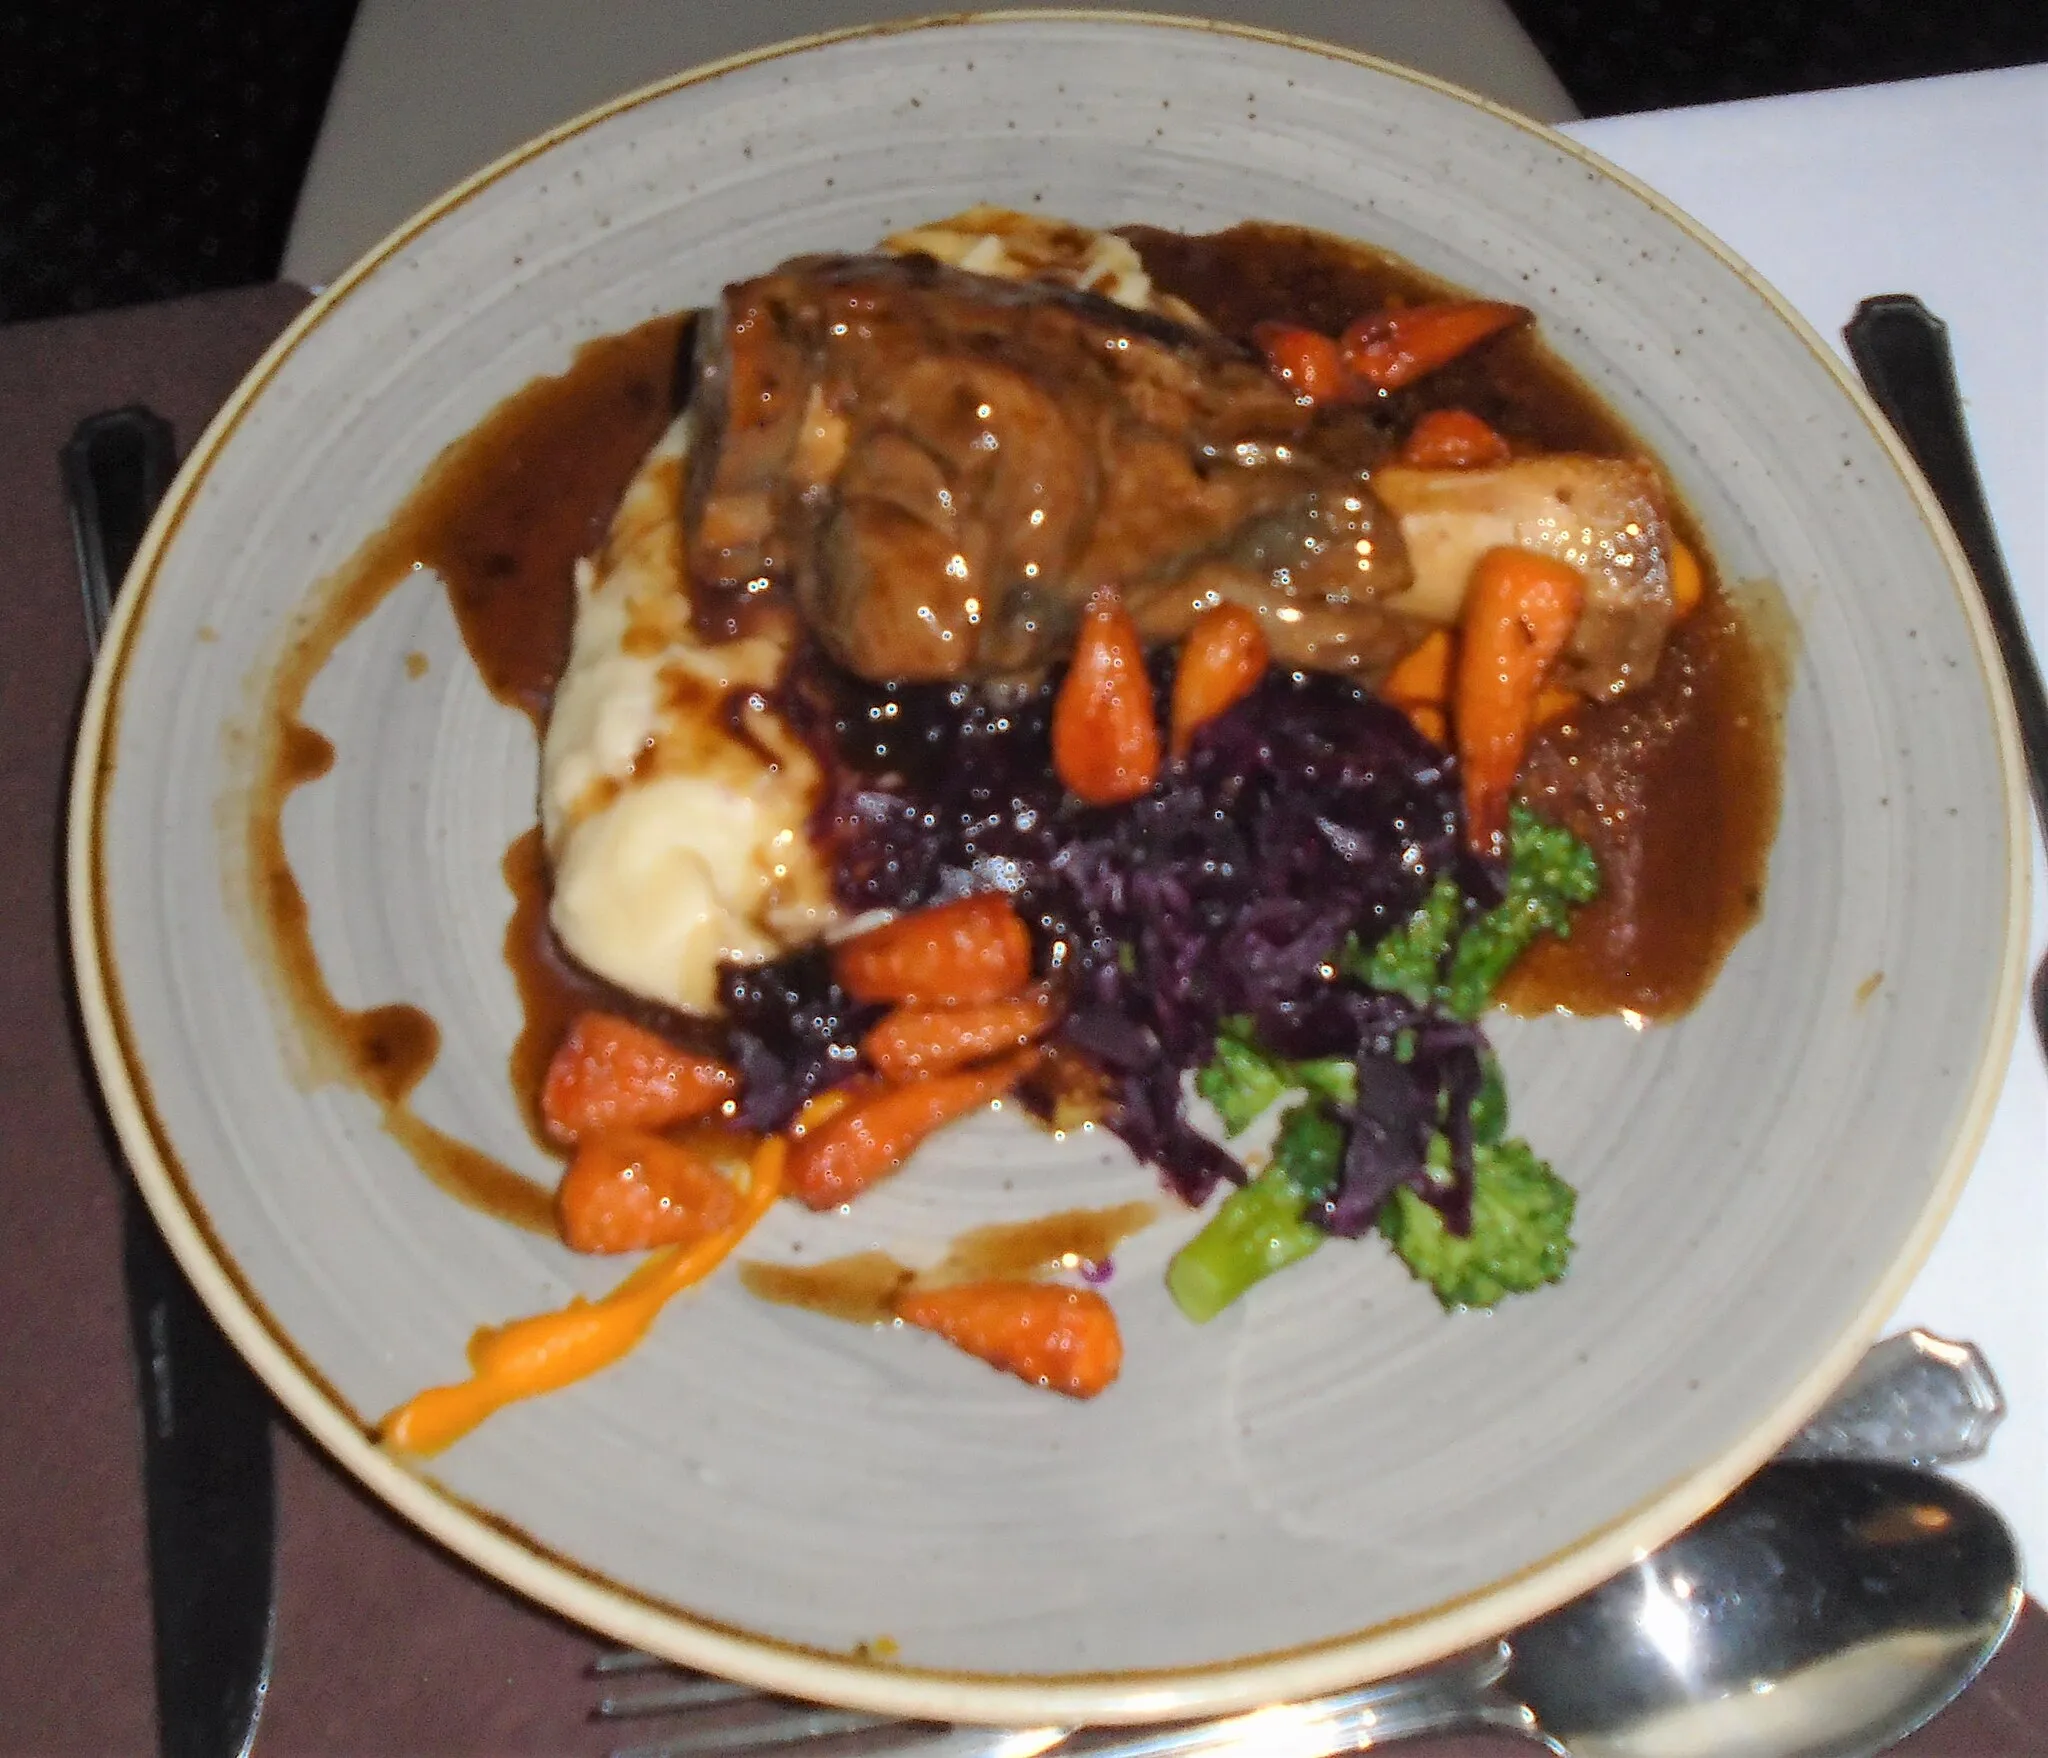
[{"x": 1824, "y": 1611}]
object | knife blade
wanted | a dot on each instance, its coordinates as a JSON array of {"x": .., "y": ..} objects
[{"x": 207, "y": 1470}]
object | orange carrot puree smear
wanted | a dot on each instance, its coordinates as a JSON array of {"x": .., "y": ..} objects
[{"x": 550, "y": 1350}]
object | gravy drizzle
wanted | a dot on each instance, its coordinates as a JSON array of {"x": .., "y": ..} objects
[
  {"x": 500, "y": 517},
  {"x": 1677, "y": 788},
  {"x": 863, "y": 1289}
]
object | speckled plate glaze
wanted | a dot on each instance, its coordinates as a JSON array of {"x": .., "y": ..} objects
[{"x": 1331, "y": 1482}]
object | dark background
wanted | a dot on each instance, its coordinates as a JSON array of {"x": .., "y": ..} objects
[{"x": 150, "y": 148}]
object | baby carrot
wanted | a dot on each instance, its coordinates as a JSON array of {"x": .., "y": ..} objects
[
  {"x": 1452, "y": 439},
  {"x": 1306, "y": 361},
  {"x": 550, "y": 1350},
  {"x": 610, "y": 1072},
  {"x": 957, "y": 954},
  {"x": 1105, "y": 737},
  {"x": 1392, "y": 348},
  {"x": 869, "y": 1139},
  {"x": 1221, "y": 663},
  {"x": 1519, "y": 613},
  {"x": 1064, "y": 1339},
  {"x": 1429, "y": 720},
  {"x": 1424, "y": 673},
  {"x": 628, "y": 1190},
  {"x": 915, "y": 1041},
  {"x": 1688, "y": 586}
]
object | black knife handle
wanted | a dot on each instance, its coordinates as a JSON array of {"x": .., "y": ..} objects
[
  {"x": 1901, "y": 349},
  {"x": 211, "y": 1499},
  {"x": 117, "y": 466},
  {"x": 208, "y": 1483}
]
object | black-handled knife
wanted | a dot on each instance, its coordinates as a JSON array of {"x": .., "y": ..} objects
[
  {"x": 1901, "y": 349},
  {"x": 206, "y": 1442}
]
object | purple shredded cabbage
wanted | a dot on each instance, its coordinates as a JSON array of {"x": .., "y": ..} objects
[{"x": 1306, "y": 814}]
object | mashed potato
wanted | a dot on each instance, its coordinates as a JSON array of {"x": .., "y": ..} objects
[{"x": 673, "y": 799}]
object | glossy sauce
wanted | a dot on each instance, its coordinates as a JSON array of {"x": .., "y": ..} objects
[
  {"x": 501, "y": 517},
  {"x": 1678, "y": 793},
  {"x": 1676, "y": 787},
  {"x": 505, "y": 512},
  {"x": 863, "y": 1289}
]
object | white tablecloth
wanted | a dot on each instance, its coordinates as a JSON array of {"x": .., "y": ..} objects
[{"x": 1937, "y": 187}]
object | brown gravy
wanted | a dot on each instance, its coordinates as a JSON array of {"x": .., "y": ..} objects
[
  {"x": 1678, "y": 793},
  {"x": 501, "y": 516},
  {"x": 1677, "y": 788},
  {"x": 863, "y": 1289}
]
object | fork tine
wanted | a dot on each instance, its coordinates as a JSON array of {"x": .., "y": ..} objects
[
  {"x": 885, "y": 1739},
  {"x": 743, "y": 1721},
  {"x": 760, "y": 1724},
  {"x": 626, "y": 1660},
  {"x": 681, "y": 1691}
]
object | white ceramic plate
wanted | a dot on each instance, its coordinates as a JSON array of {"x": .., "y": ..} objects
[{"x": 1332, "y": 1481}]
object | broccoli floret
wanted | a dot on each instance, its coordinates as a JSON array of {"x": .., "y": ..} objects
[
  {"x": 1489, "y": 1106},
  {"x": 1410, "y": 960},
  {"x": 1243, "y": 1078},
  {"x": 1240, "y": 1080},
  {"x": 1255, "y": 1231},
  {"x": 1521, "y": 1230},
  {"x": 1261, "y": 1228},
  {"x": 1550, "y": 871},
  {"x": 1310, "y": 1148}
]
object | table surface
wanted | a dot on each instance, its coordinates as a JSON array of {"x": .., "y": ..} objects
[
  {"x": 385, "y": 1646},
  {"x": 1940, "y": 188}
]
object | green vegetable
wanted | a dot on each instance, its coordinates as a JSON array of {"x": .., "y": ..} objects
[
  {"x": 1257, "y": 1230},
  {"x": 1521, "y": 1229},
  {"x": 1410, "y": 960},
  {"x": 1310, "y": 1148},
  {"x": 1549, "y": 872},
  {"x": 1242, "y": 1079},
  {"x": 1490, "y": 1103}
]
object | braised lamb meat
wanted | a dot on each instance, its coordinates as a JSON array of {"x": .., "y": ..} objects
[{"x": 941, "y": 468}]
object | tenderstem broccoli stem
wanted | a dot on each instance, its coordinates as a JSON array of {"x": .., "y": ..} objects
[{"x": 1257, "y": 1230}]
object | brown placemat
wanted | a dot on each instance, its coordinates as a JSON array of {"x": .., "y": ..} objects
[{"x": 385, "y": 1646}]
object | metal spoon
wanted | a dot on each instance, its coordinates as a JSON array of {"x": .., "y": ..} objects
[{"x": 1826, "y": 1610}]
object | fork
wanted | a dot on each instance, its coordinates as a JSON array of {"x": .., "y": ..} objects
[{"x": 1916, "y": 1399}]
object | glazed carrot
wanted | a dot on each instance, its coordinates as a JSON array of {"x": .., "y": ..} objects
[
  {"x": 1221, "y": 662},
  {"x": 554, "y": 1349},
  {"x": 629, "y": 1190},
  {"x": 1430, "y": 721},
  {"x": 1424, "y": 674},
  {"x": 820, "y": 1108},
  {"x": 1688, "y": 585},
  {"x": 1554, "y": 702},
  {"x": 1519, "y": 613},
  {"x": 1306, "y": 361},
  {"x": 1452, "y": 439},
  {"x": 610, "y": 1072},
  {"x": 916, "y": 1041},
  {"x": 1105, "y": 737},
  {"x": 1064, "y": 1339},
  {"x": 1389, "y": 349},
  {"x": 951, "y": 955},
  {"x": 874, "y": 1135}
]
